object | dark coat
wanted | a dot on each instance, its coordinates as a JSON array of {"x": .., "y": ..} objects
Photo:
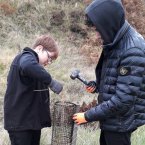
[
  {"x": 24, "y": 106},
  {"x": 120, "y": 77}
]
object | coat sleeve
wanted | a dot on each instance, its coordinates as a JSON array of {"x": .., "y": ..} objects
[
  {"x": 30, "y": 67},
  {"x": 127, "y": 88}
]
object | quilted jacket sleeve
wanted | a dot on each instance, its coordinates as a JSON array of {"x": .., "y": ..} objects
[{"x": 127, "y": 88}]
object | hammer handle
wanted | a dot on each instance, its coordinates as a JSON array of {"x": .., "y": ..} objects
[{"x": 82, "y": 80}]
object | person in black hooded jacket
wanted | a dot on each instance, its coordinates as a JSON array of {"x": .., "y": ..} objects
[
  {"x": 26, "y": 102},
  {"x": 120, "y": 75}
]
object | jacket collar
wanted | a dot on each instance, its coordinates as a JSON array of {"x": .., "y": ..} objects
[
  {"x": 118, "y": 36},
  {"x": 27, "y": 49}
]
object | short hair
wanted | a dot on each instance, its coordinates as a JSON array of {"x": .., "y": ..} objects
[{"x": 47, "y": 42}]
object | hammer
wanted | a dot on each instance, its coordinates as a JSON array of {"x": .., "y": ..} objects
[{"x": 76, "y": 74}]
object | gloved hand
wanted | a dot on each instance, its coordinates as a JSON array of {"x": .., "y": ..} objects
[
  {"x": 91, "y": 87},
  {"x": 55, "y": 86},
  {"x": 79, "y": 118}
]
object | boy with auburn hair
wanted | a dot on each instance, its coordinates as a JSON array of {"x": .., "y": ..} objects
[{"x": 27, "y": 99}]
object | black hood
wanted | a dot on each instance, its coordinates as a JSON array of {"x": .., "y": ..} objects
[{"x": 108, "y": 16}]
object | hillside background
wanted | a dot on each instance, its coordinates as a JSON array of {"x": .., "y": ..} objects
[{"x": 22, "y": 21}]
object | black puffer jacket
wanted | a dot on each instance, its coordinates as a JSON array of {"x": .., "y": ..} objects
[
  {"x": 24, "y": 107},
  {"x": 120, "y": 72}
]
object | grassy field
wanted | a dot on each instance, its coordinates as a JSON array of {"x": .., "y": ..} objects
[
  {"x": 84, "y": 137},
  {"x": 21, "y": 22}
]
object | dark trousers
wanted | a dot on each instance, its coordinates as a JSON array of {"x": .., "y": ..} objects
[
  {"x": 28, "y": 137},
  {"x": 115, "y": 138}
]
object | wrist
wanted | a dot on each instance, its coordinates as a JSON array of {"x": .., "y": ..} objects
[{"x": 86, "y": 117}]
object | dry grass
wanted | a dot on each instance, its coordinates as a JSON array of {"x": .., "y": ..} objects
[
  {"x": 5, "y": 61},
  {"x": 22, "y": 21}
]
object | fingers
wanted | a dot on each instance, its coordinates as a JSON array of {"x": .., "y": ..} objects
[
  {"x": 75, "y": 119},
  {"x": 90, "y": 89},
  {"x": 77, "y": 122},
  {"x": 79, "y": 118}
]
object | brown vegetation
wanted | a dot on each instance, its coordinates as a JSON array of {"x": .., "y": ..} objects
[
  {"x": 85, "y": 106},
  {"x": 76, "y": 16},
  {"x": 57, "y": 18},
  {"x": 7, "y": 9},
  {"x": 77, "y": 28},
  {"x": 135, "y": 14},
  {"x": 68, "y": 1},
  {"x": 91, "y": 49}
]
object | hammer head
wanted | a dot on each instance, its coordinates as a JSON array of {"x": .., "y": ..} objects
[{"x": 74, "y": 74}]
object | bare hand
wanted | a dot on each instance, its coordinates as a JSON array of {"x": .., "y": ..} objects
[{"x": 79, "y": 118}]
